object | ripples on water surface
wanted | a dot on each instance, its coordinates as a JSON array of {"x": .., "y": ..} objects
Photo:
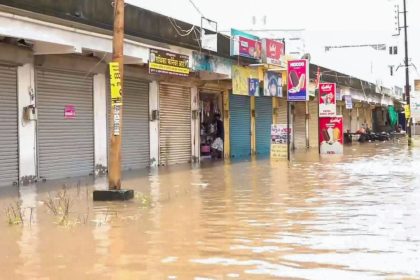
[{"x": 350, "y": 218}]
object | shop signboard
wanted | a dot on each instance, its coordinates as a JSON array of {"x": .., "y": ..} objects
[
  {"x": 331, "y": 135},
  {"x": 69, "y": 112},
  {"x": 240, "y": 79},
  {"x": 298, "y": 80},
  {"x": 279, "y": 141},
  {"x": 212, "y": 64},
  {"x": 349, "y": 102},
  {"x": 168, "y": 63},
  {"x": 327, "y": 100},
  {"x": 245, "y": 45},
  {"x": 272, "y": 51},
  {"x": 273, "y": 84}
]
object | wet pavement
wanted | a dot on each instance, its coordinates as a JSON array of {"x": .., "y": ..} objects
[{"x": 352, "y": 217}]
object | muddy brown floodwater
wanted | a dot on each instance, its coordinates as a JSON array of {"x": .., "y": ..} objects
[{"x": 356, "y": 217}]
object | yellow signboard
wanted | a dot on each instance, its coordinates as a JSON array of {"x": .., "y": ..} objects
[
  {"x": 407, "y": 111},
  {"x": 240, "y": 79},
  {"x": 115, "y": 80}
]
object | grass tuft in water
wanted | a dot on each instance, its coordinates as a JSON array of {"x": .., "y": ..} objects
[
  {"x": 146, "y": 201},
  {"x": 59, "y": 205},
  {"x": 15, "y": 214}
]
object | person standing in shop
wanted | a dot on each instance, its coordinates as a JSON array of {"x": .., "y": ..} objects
[
  {"x": 217, "y": 146},
  {"x": 220, "y": 129}
]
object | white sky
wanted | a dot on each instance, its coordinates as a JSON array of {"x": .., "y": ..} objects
[{"x": 326, "y": 22}]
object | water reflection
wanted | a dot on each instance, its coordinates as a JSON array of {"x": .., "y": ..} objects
[{"x": 354, "y": 217}]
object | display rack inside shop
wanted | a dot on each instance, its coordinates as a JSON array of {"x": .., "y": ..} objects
[{"x": 209, "y": 108}]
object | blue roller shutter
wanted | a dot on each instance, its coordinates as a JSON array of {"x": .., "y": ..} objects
[
  {"x": 240, "y": 126},
  {"x": 263, "y": 121}
]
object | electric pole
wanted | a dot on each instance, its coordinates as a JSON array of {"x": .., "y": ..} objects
[
  {"x": 407, "y": 72},
  {"x": 114, "y": 175}
]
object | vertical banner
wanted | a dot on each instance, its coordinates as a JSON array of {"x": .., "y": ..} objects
[
  {"x": 349, "y": 102},
  {"x": 327, "y": 100},
  {"x": 116, "y": 96},
  {"x": 279, "y": 141},
  {"x": 298, "y": 80},
  {"x": 331, "y": 136}
]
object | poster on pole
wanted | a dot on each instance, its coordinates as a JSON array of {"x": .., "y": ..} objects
[
  {"x": 272, "y": 84},
  {"x": 279, "y": 141},
  {"x": 116, "y": 96},
  {"x": 298, "y": 80},
  {"x": 327, "y": 100},
  {"x": 331, "y": 136}
]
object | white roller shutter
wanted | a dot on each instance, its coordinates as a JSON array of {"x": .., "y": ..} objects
[
  {"x": 9, "y": 167},
  {"x": 313, "y": 123},
  {"x": 175, "y": 124},
  {"x": 65, "y": 146},
  {"x": 299, "y": 125}
]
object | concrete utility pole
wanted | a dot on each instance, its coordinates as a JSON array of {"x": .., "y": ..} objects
[
  {"x": 114, "y": 175},
  {"x": 407, "y": 72}
]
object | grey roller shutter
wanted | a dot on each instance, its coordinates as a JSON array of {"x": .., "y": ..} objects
[
  {"x": 175, "y": 124},
  {"x": 135, "y": 135},
  {"x": 282, "y": 111},
  {"x": 9, "y": 168},
  {"x": 313, "y": 123},
  {"x": 65, "y": 147},
  {"x": 299, "y": 125}
]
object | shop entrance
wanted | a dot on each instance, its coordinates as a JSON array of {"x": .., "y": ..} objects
[{"x": 211, "y": 125}]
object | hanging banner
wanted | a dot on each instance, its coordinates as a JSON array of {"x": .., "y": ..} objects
[
  {"x": 331, "y": 135},
  {"x": 272, "y": 84},
  {"x": 115, "y": 82},
  {"x": 245, "y": 45},
  {"x": 241, "y": 78},
  {"x": 349, "y": 102},
  {"x": 298, "y": 80},
  {"x": 272, "y": 51},
  {"x": 279, "y": 141},
  {"x": 168, "y": 63},
  {"x": 327, "y": 100}
]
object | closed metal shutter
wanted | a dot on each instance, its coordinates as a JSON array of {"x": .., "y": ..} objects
[
  {"x": 313, "y": 123},
  {"x": 240, "y": 126},
  {"x": 9, "y": 167},
  {"x": 175, "y": 124},
  {"x": 346, "y": 119},
  {"x": 135, "y": 145},
  {"x": 299, "y": 125},
  {"x": 65, "y": 147},
  {"x": 263, "y": 121},
  {"x": 354, "y": 120},
  {"x": 282, "y": 111}
]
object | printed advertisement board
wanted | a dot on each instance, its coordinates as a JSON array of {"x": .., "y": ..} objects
[
  {"x": 279, "y": 141},
  {"x": 272, "y": 51},
  {"x": 327, "y": 100},
  {"x": 241, "y": 78},
  {"x": 331, "y": 135},
  {"x": 168, "y": 63},
  {"x": 245, "y": 45},
  {"x": 272, "y": 84},
  {"x": 298, "y": 80}
]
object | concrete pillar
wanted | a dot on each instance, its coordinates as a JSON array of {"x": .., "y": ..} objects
[
  {"x": 195, "y": 125},
  {"x": 307, "y": 124},
  {"x": 100, "y": 121},
  {"x": 253, "y": 127},
  {"x": 27, "y": 129},
  {"x": 154, "y": 124}
]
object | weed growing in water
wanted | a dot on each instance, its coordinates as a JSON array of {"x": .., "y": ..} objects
[
  {"x": 146, "y": 201},
  {"x": 59, "y": 205}
]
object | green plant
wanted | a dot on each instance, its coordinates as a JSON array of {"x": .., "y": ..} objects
[{"x": 15, "y": 214}]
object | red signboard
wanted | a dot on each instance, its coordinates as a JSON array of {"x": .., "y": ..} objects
[
  {"x": 249, "y": 48},
  {"x": 327, "y": 100},
  {"x": 331, "y": 135},
  {"x": 69, "y": 112},
  {"x": 273, "y": 51}
]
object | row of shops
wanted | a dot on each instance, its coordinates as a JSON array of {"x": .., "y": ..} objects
[{"x": 55, "y": 106}]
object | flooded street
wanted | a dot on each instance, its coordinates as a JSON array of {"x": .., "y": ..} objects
[{"x": 355, "y": 217}]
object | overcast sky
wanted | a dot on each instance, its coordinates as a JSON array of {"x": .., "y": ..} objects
[{"x": 326, "y": 22}]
